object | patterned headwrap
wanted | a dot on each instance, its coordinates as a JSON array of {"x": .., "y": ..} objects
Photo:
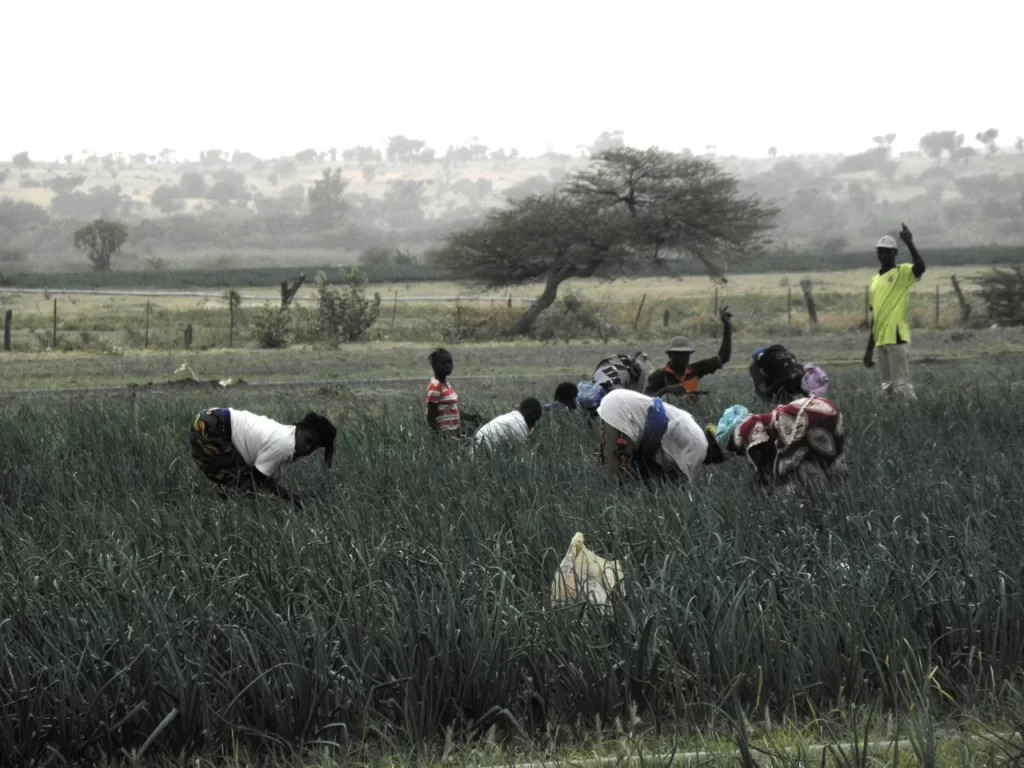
[{"x": 731, "y": 419}]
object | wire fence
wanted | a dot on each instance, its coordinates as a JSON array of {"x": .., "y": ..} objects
[
  {"x": 246, "y": 298},
  {"x": 71, "y": 319}
]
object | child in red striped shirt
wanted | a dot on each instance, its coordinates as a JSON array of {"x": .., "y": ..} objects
[{"x": 442, "y": 401}]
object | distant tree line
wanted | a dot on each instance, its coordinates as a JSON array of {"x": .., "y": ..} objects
[{"x": 237, "y": 200}]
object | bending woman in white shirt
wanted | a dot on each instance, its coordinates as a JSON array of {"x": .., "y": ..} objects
[
  {"x": 642, "y": 437},
  {"x": 512, "y": 427},
  {"x": 246, "y": 451}
]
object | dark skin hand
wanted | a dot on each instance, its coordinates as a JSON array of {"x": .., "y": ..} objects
[
  {"x": 263, "y": 484},
  {"x": 443, "y": 368},
  {"x": 888, "y": 261}
]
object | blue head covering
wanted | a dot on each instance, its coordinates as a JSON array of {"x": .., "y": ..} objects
[
  {"x": 758, "y": 351},
  {"x": 734, "y": 416}
]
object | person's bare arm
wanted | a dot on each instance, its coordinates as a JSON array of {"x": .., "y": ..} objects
[
  {"x": 263, "y": 484},
  {"x": 725, "y": 351},
  {"x": 708, "y": 366},
  {"x": 869, "y": 354},
  {"x": 655, "y": 384},
  {"x": 915, "y": 256},
  {"x": 432, "y": 411},
  {"x": 763, "y": 457}
]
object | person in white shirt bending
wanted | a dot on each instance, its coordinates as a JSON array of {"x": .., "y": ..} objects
[
  {"x": 642, "y": 437},
  {"x": 249, "y": 452},
  {"x": 509, "y": 428}
]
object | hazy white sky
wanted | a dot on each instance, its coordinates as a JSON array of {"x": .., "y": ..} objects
[{"x": 274, "y": 78}]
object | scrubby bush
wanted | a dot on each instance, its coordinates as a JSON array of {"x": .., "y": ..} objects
[
  {"x": 167, "y": 199},
  {"x": 193, "y": 185},
  {"x": 344, "y": 314},
  {"x": 1002, "y": 292},
  {"x": 270, "y": 326}
]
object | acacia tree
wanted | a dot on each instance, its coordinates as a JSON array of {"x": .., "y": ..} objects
[
  {"x": 677, "y": 205},
  {"x": 628, "y": 209},
  {"x": 100, "y": 241},
  {"x": 988, "y": 138},
  {"x": 541, "y": 237},
  {"x": 934, "y": 144},
  {"x": 326, "y": 206}
]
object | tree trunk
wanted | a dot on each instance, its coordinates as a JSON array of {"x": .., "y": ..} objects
[
  {"x": 100, "y": 261},
  {"x": 290, "y": 288},
  {"x": 545, "y": 300},
  {"x": 812, "y": 308},
  {"x": 965, "y": 308}
]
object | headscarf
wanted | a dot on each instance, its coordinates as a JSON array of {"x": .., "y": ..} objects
[
  {"x": 757, "y": 352},
  {"x": 734, "y": 416}
]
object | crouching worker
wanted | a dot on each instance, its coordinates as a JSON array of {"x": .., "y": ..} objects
[
  {"x": 248, "y": 452},
  {"x": 680, "y": 376},
  {"x": 565, "y": 398},
  {"x": 619, "y": 371},
  {"x": 642, "y": 437},
  {"x": 798, "y": 444},
  {"x": 510, "y": 428},
  {"x": 779, "y": 377}
]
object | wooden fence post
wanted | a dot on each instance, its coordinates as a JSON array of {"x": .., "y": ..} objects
[
  {"x": 640, "y": 309},
  {"x": 812, "y": 309},
  {"x": 145, "y": 342},
  {"x": 54, "y": 345},
  {"x": 715, "y": 313},
  {"x": 965, "y": 308},
  {"x": 867, "y": 306},
  {"x": 789, "y": 305},
  {"x": 665, "y": 318},
  {"x": 936, "y": 306},
  {"x": 8, "y": 322},
  {"x": 290, "y": 288},
  {"x": 135, "y": 409},
  {"x": 394, "y": 308},
  {"x": 188, "y": 336}
]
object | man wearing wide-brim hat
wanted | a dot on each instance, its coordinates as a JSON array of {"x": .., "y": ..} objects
[{"x": 680, "y": 376}]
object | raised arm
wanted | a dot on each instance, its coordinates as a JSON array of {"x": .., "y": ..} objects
[
  {"x": 725, "y": 351},
  {"x": 915, "y": 256},
  {"x": 711, "y": 364}
]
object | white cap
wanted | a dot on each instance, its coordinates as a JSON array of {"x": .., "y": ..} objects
[{"x": 887, "y": 242}]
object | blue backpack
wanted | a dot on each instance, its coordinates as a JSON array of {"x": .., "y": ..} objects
[{"x": 590, "y": 395}]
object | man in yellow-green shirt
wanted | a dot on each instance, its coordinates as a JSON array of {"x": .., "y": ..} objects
[{"x": 888, "y": 296}]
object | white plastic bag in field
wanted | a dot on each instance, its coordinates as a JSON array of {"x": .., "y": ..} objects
[{"x": 584, "y": 575}]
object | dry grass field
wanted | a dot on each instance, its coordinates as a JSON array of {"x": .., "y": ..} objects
[{"x": 624, "y": 311}]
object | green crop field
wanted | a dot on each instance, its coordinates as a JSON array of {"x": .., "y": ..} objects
[{"x": 404, "y": 613}]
